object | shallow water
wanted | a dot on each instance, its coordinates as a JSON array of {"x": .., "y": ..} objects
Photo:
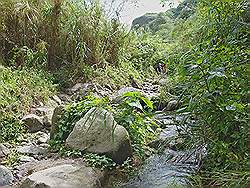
[{"x": 169, "y": 168}]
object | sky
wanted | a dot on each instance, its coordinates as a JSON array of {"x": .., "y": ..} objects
[{"x": 133, "y": 10}]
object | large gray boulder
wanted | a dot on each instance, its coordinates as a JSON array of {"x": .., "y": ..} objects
[
  {"x": 6, "y": 177},
  {"x": 98, "y": 132},
  {"x": 64, "y": 176}
]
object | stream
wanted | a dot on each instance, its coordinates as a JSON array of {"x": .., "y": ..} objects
[{"x": 170, "y": 167}]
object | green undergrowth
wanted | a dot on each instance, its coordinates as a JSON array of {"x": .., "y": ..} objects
[
  {"x": 209, "y": 61},
  {"x": 134, "y": 112},
  {"x": 19, "y": 90}
]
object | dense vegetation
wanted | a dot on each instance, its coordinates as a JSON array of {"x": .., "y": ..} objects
[
  {"x": 204, "y": 45},
  {"x": 210, "y": 56}
]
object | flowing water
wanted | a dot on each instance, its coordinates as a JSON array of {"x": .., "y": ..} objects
[{"x": 169, "y": 168}]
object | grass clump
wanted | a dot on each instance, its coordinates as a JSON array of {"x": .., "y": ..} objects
[{"x": 19, "y": 89}]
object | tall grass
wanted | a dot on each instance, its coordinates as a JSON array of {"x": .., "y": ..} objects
[{"x": 63, "y": 34}]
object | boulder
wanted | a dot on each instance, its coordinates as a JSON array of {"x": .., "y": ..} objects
[
  {"x": 3, "y": 151},
  {"x": 26, "y": 159},
  {"x": 97, "y": 132},
  {"x": 57, "y": 99},
  {"x": 57, "y": 113},
  {"x": 33, "y": 122},
  {"x": 6, "y": 177},
  {"x": 64, "y": 176}
]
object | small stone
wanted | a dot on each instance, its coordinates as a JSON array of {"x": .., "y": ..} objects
[
  {"x": 64, "y": 97},
  {"x": 172, "y": 105},
  {"x": 33, "y": 122},
  {"x": 31, "y": 150},
  {"x": 57, "y": 99},
  {"x": 26, "y": 159},
  {"x": 6, "y": 177},
  {"x": 3, "y": 151},
  {"x": 42, "y": 137}
]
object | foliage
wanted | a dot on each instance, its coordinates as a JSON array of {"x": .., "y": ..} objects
[
  {"x": 209, "y": 56},
  {"x": 19, "y": 89},
  {"x": 99, "y": 161},
  {"x": 147, "y": 51},
  {"x": 134, "y": 113},
  {"x": 12, "y": 159}
]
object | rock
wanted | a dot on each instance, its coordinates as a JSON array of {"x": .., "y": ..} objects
[
  {"x": 26, "y": 159},
  {"x": 52, "y": 103},
  {"x": 172, "y": 105},
  {"x": 31, "y": 149},
  {"x": 42, "y": 137},
  {"x": 33, "y": 122},
  {"x": 4, "y": 151},
  {"x": 80, "y": 89},
  {"x": 57, "y": 99},
  {"x": 157, "y": 144},
  {"x": 64, "y": 97},
  {"x": 64, "y": 176},
  {"x": 6, "y": 177},
  {"x": 47, "y": 113},
  {"x": 58, "y": 112},
  {"x": 97, "y": 132}
]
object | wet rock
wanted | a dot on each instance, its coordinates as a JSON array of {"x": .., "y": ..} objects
[
  {"x": 97, "y": 132},
  {"x": 58, "y": 112},
  {"x": 156, "y": 144},
  {"x": 6, "y": 177},
  {"x": 4, "y": 151},
  {"x": 64, "y": 176},
  {"x": 31, "y": 149},
  {"x": 33, "y": 122}
]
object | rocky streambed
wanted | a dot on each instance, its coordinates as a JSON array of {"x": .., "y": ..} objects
[{"x": 32, "y": 164}]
